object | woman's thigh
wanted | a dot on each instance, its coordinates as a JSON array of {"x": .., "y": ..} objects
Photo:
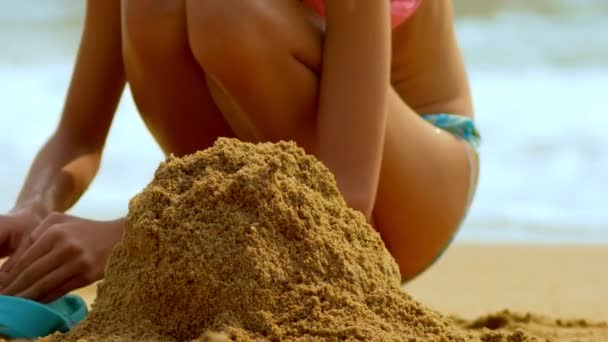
[{"x": 423, "y": 188}]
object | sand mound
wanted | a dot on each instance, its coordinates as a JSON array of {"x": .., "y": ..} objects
[{"x": 256, "y": 243}]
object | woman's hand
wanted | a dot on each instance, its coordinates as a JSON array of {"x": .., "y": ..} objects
[
  {"x": 15, "y": 225},
  {"x": 62, "y": 254}
]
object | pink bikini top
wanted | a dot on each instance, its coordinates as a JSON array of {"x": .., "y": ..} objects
[{"x": 400, "y": 9}]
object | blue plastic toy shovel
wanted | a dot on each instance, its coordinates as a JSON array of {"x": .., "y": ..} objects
[{"x": 22, "y": 318}]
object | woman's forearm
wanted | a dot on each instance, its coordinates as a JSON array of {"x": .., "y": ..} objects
[
  {"x": 353, "y": 96},
  {"x": 59, "y": 175},
  {"x": 66, "y": 165},
  {"x": 98, "y": 79}
]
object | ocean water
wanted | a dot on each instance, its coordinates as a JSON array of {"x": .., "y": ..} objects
[{"x": 539, "y": 73}]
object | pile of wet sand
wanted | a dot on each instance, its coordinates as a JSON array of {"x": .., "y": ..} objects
[{"x": 254, "y": 242}]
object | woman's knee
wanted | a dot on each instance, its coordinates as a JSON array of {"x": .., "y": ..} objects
[
  {"x": 154, "y": 30},
  {"x": 228, "y": 38}
]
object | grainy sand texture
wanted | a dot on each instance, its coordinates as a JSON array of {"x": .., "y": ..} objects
[{"x": 253, "y": 242}]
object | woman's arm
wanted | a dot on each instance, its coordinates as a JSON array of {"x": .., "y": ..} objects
[
  {"x": 353, "y": 100},
  {"x": 67, "y": 164},
  {"x": 63, "y": 170}
]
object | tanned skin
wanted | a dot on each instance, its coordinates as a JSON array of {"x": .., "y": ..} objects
[{"x": 347, "y": 88}]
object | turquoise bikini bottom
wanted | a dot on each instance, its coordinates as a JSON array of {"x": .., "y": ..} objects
[{"x": 460, "y": 126}]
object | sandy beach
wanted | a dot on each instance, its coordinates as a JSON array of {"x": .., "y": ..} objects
[
  {"x": 568, "y": 283},
  {"x": 565, "y": 283},
  {"x": 471, "y": 280}
]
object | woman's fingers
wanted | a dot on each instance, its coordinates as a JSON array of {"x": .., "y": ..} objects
[
  {"x": 28, "y": 239},
  {"x": 5, "y": 234},
  {"x": 57, "y": 278},
  {"x": 3, "y": 281},
  {"x": 69, "y": 286},
  {"x": 10, "y": 263},
  {"x": 37, "y": 261}
]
